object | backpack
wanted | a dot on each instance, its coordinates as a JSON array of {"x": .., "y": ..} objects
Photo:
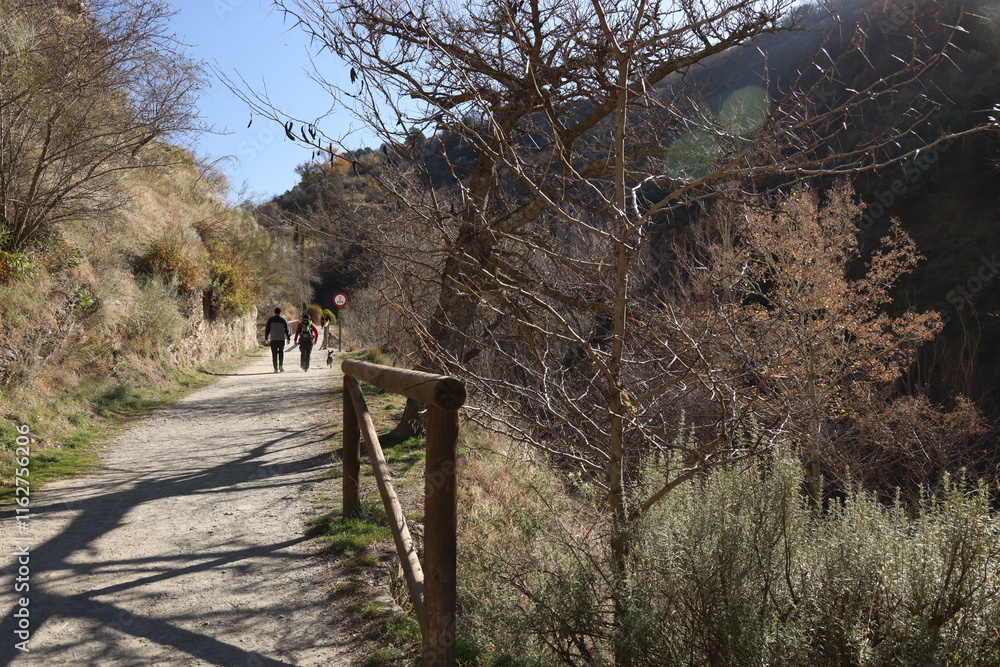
[{"x": 306, "y": 332}]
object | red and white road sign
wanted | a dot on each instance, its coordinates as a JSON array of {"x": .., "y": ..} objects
[{"x": 340, "y": 299}]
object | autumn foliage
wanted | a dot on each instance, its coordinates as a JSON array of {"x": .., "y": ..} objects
[{"x": 803, "y": 319}]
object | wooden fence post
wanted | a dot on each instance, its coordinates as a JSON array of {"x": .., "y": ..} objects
[
  {"x": 440, "y": 533},
  {"x": 351, "y": 455},
  {"x": 432, "y": 588},
  {"x": 405, "y": 548}
]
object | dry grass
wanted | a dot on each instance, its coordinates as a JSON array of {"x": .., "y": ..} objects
[{"x": 96, "y": 320}]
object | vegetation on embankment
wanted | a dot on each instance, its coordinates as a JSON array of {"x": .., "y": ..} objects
[
  {"x": 736, "y": 567},
  {"x": 122, "y": 267},
  {"x": 114, "y": 318}
]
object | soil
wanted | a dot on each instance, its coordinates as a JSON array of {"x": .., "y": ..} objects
[{"x": 187, "y": 546}]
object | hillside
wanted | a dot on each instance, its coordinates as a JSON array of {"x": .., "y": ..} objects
[
  {"x": 122, "y": 267},
  {"x": 109, "y": 316}
]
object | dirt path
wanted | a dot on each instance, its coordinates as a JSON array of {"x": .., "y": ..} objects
[{"x": 186, "y": 547}]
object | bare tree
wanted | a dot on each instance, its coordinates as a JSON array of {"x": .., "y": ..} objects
[
  {"x": 84, "y": 88},
  {"x": 589, "y": 133}
]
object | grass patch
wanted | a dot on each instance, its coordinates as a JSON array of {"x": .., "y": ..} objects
[
  {"x": 401, "y": 633},
  {"x": 373, "y": 610},
  {"x": 376, "y": 356},
  {"x": 403, "y": 456},
  {"x": 402, "y": 628},
  {"x": 398, "y": 634},
  {"x": 123, "y": 400},
  {"x": 53, "y": 464},
  {"x": 352, "y": 538},
  {"x": 384, "y": 656}
]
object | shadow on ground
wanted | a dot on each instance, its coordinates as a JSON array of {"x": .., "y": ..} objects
[{"x": 103, "y": 512}]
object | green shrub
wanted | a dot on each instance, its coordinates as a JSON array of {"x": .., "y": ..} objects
[
  {"x": 737, "y": 568},
  {"x": 764, "y": 578},
  {"x": 233, "y": 291},
  {"x": 85, "y": 299},
  {"x": 314, "y": 312},
  {"x": 16, "y": 266}
]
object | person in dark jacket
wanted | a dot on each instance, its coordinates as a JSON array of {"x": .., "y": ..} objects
[{"x": 276, "y": 330}]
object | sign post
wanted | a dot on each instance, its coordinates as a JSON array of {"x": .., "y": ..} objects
[{"x": 340, "y": 300}]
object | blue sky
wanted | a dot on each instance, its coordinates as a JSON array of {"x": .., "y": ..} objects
[{"x": 250, "y": 39}]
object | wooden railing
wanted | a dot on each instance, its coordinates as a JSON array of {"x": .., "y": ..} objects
[{"x": 431, "y": 588}]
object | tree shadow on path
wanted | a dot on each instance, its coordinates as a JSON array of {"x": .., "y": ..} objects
[{"x": 122, "y": 490}]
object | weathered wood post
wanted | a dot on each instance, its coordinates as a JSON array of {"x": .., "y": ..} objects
[
  {"x": 351, "y": 454},
  {"x": 440, "y": 536},
  {"x": 408, "y": 558},
  {"x": 434, "y": 594}
]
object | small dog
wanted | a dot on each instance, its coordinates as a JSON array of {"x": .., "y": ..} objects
[{"x": 329, "y": 359}]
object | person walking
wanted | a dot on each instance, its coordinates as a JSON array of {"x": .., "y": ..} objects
[
  {"x": 325, "y": 322},
  {"x": 305, "y": 335},
  {"x": 275, "y": 334}
]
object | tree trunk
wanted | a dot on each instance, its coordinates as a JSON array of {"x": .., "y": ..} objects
[
  {"x": 616, "y": 402},
  {"x": 412, "y": 423}
]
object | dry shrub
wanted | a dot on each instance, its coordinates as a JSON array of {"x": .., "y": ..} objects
[
  {"x": 798, "y": 320},
  {"x": 911, "y": 444},
  {"x": 377, "y": 321},
  {"x": 26, "y": 324},
  {"x": 130, "y": 319},
  {"x": 103, "y": 338},
  {"x": 23, "y": 302},
  {"x": 532, "y": 570},
  {"x": 155, "y": 320},
  {"x": 175, "y": 259}
]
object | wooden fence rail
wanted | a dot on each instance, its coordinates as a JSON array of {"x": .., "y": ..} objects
[{"x": 432, "y": 588}]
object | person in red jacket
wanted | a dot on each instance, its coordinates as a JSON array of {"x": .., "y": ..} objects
[{"x": 306, "y": 334}]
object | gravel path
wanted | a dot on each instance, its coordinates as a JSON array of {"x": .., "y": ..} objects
[{"x": 186, "y": 547}]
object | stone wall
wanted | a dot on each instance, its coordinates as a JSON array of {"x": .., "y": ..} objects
[{"x": 205, "y": 339}]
